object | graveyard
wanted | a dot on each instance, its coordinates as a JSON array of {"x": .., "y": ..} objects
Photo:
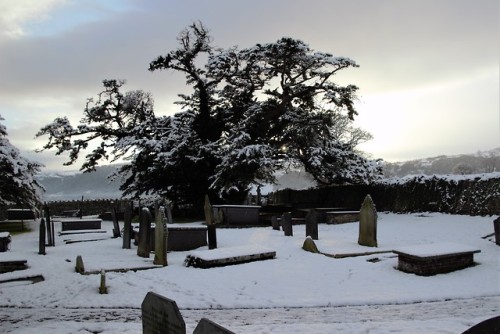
[{"x": 350, "y": 285}]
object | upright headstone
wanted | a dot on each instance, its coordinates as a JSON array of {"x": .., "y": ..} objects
[
  {"x": 144, "y": 247},
  {"x": 116, "y": 225},
  {"x": 275, "y": 223},
  {"x": 286, "y": 223},
  {"x": 210, "y": 221},
  {"x": 79, "y": 267},
  {"x": 160, "y": 237},
  {"x": 161, "y": 315},
  {"x": 310, "y": 246},
  {"x": 48, "y": 225},
  {"x": 206, "y": 326},
  {"x": 312, "y": 224},
  {"x": 41, "y": 241},
  {"x": 127, "y": 227},
  {"x": 368, "y": 223}
]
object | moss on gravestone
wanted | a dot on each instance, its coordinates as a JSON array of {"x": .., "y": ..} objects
[{"x": 310, "y": 246}]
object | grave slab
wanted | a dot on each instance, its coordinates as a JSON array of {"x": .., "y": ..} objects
[
  {"x": 228, "y": 256},
  {"x": 432, "y": 259}
]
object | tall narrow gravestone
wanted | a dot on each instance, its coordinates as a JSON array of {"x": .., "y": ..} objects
[
  {"x": 160, "y": 237},
  {"x": 161, "y": 315},
  {"x": 368, "y": 223},
  {"x": 127, "y": 227},
  {"x": 210, "y": 221},
  {"x": 312, "y": 224},
  {"x": 286, "y": 222},
  {"x": 144, "y": 248}
]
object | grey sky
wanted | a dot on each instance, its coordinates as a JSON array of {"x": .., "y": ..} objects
[{"x": 428, "y": 76}]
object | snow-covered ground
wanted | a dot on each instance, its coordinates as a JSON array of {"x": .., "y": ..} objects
[{"x": 298, "y": 292}]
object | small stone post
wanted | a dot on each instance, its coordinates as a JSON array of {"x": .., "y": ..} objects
[
  {"x": 368, "y": 223},
  {"x": 102, "y": 287},
  {"x": 79, "y": 267}
]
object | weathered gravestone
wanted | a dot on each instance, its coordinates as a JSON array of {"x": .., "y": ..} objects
[
  {"x": 116, "y": 225},
  {"x": 275, "y": 223},
  {"x": 496, "y": 226},
  {"x": 368, "y": 223},
  {"x": 310, "y": 246},
  {"x": 127, "y": 227},
  {"x": 144, "y": 247},
  {"x": 161, "y": 315},
  {"x": 210, "y": 221},
  {"x": 286, "y": 223},
  {"x": 41, "y": 241},
  {"x": 160, "y": 237},
  {"x": 490, "y": 326},
  {"x": 79, "y": 267},
  {"x": 206, "y": 326},
  {"x": 312, "y": 218}
]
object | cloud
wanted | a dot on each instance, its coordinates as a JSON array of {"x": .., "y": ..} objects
[{"x": 14, "y": 15}]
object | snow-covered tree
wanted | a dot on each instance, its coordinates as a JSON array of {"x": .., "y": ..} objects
[
  {"x": 17, "y": 183},
  {"x": 251, "y": 113}
]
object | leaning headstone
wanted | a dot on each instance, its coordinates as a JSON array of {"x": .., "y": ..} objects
[
  {"x": 286, "y": 222},
  {"x": 160, "y": 238},
  {"x": 79, "y": 267},
  {"x": 210, "y": 221},
  {"x": 496, "y": 226},
  {"x": 161, "y": 315},
  {"x": 310, "y": 246},
  {"x": 206, "y": 326},
  {"x": 275, "y": 223},
  {"x": 144, "y": 247},
  {"x": 41, "y": 241},
  {"x": 368, "y": 223},
  {"x": 312, "y": 218},
  {"x": 127, "y": 227}
]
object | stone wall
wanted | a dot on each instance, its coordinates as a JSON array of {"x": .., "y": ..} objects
[{"x": 471, "y": 196}]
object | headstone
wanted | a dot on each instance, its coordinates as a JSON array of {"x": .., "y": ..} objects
[
  {"x": 286, "y": 223},
  {"x": 491, "y": 325},
  {"x": 127, "y": 227},
  {"x": 116, "y": 225},
  {"x": 275, "y": 223},
  {"x": 102, "y": 287},
  {"x": 160, "y": 238},
  {"x": 41, "y": 241},
  {"x": 161, "y": 315},
  {"x": 310, "y": 246},
  {"x": 49, "y": 226},
  {"x": 206, "y": 326},
  {"x": 144, "y": 247},
  {"x": 368, "y": 223},
  {"x": 79, "y": 267},
  {"x": 210, "y": 221},
  {"x": 312, "y": 218},
  {"x": 496, "y": 226}
]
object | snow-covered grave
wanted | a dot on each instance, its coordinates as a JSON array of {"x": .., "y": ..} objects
[
  {"x": 437, "y": 258},
  {"x": 296, "y": 292},
  {"x": 72, "y": 224},
  {"x": 228, "y": 256}
]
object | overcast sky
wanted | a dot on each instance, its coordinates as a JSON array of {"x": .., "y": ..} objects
[{"x": 428, "y": 75}]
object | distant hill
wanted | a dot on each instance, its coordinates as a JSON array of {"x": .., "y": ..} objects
[
  {"x": 480, "y": 162},
  {"x": 96, "y": 185},
  {"x": 73, "y": 185}
]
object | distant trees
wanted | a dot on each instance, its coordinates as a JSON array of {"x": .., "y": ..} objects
[
  {"x": 251, "y": 112},
  {"x": 17, "y": 183}
]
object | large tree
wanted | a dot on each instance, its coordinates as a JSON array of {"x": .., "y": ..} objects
[
  {"x": 251, "y": 112},
  {"x": 17, "y": 175}
]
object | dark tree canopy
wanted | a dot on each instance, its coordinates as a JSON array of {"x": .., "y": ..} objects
[
  {"x": 17, "y": 183},
  {"x": 251, "y": 113}
]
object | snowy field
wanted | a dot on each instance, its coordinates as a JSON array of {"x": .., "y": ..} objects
[{"x": 298, "y": 292}]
